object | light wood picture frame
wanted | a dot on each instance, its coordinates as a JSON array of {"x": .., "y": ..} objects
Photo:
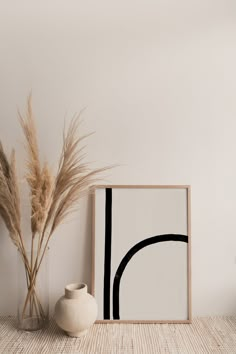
[{"x": 141, "y": 253}]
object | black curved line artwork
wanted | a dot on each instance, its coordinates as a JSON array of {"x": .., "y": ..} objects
[
  {"x": 123, "y": 264},
  {"x": 107, "y": 257}
]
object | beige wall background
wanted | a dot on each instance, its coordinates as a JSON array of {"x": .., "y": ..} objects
[{"x": 158, "y": 79}]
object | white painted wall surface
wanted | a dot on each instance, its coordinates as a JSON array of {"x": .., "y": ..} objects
[{"x": 158, "y": 79}]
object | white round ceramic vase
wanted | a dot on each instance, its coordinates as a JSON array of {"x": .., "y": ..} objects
[{"x": 76, "y": 311}]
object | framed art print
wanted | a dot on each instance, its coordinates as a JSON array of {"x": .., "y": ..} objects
[{"x": 141, "y": 253}]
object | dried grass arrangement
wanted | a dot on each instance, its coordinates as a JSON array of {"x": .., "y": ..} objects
[{"x": 53, "y": 198}]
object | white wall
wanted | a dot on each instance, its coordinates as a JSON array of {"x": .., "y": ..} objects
[{"x": 158, "y": 79}]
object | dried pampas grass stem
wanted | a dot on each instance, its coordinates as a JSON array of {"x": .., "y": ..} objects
[{"x": 53, "y": 197}]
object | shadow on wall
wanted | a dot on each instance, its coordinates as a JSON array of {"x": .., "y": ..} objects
[
  {"x": 79, "y": 260},
  {"x": 87, "y": 259}
]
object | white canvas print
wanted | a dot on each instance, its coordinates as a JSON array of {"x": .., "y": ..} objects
[{"x": 141, "y": 253}]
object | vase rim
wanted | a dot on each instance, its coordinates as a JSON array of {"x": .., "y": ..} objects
[{"x": 76, "y": 288}]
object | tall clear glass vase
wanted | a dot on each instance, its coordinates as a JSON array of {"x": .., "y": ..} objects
[{"x": 33, "y": 293}]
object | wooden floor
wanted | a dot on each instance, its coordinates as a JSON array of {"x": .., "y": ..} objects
[{"x": 204, "y": 335}]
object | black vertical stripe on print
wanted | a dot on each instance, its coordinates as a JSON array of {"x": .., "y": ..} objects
[
  {"x": 107, "y": 257},
  {"x": 124, "y": 262}
]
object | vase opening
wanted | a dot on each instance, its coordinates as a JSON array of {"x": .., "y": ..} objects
[
  {"x": 76, "y": 286},
  {"x": 75, "y": 289}
]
